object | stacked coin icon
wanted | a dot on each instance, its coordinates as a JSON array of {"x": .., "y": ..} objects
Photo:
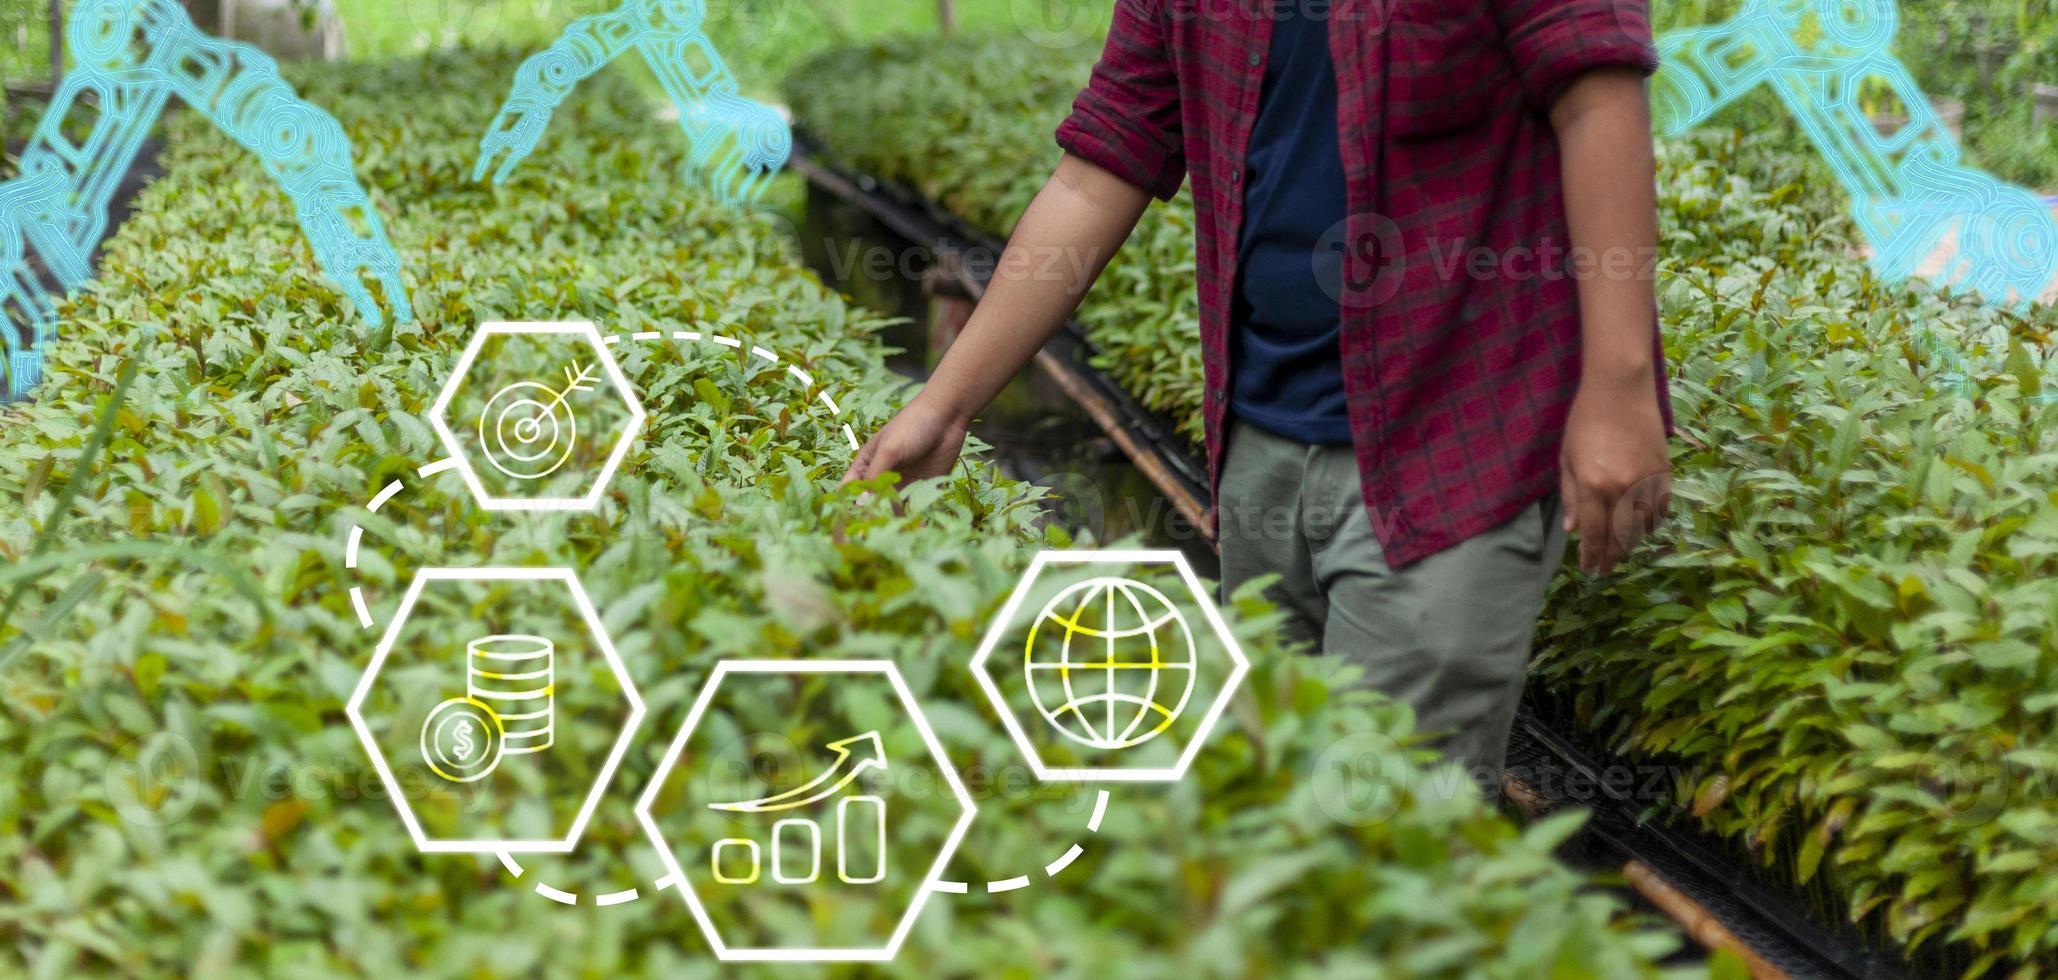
[{"x": 514, "y": 674}]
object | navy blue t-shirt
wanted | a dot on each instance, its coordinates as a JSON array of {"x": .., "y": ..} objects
[{"x": 1287, "y": 374}]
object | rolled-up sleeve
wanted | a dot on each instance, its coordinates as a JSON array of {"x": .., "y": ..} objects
[
  {"x": 1126, "y": 120},
  {"x": 1553, "y": 42}
]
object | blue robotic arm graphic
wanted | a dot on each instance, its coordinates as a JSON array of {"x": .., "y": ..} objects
[
  {"x": 40, "y": 189},
  {"x": 736, "y": 144},
  {"x": 131, "y": 57},
  {"x": 1909, "y": 190}
]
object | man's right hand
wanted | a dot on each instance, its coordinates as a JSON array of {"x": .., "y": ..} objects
[
  {"x": 1064, "y": 239},
  {"x": 918, "y": 443}
]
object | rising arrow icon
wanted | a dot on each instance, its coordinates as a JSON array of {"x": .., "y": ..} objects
[{"x": 854, "y": 755}]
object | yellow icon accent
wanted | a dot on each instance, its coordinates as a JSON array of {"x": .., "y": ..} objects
[
  {"x": 1099, "y": 632},
  {"x": 715, "y": 859}
]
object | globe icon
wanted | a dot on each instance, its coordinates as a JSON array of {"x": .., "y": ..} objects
[{"x": 1110, "y": 663}]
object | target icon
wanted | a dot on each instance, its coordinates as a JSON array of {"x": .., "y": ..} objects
[
  {"x": 528, "y": 428},
  {"x": 537, "y": 416}
]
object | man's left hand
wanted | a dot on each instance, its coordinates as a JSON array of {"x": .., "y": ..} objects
[{"x": 1615, "y": 476}]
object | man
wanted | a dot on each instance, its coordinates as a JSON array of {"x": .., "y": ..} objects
[{"x": 1430, "y": 345}]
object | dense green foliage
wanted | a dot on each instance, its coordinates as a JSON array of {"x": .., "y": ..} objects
[
  {"x": 24, "y": 40},
  {"x": 1848, "y": 631},
  {"x": 760, "y": 40},
  {"x": 1846, "y": 641},
  {"x": 180, "y": 794}
]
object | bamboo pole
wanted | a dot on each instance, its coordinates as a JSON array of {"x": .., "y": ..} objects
[{"x": 1705, "y": 928}]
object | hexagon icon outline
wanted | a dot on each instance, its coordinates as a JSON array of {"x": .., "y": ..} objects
[
  {"x": 847, "y": 954},
  {"x": 355, "y": 710},
  {"x": 998, "y": 630},
  {"x": 582, "y": 329}
]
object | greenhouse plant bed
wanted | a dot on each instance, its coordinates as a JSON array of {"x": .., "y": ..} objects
[
  {"x": 1637, "y": 821},
  {"x": 216, "y": 412}
]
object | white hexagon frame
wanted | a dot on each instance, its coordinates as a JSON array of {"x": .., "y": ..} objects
[
  {"x": 582, "y": 329},
  {"x": 998, "y": 630},
  {"x": 723, "y": 951},
  {"x": 355, "y": 710}
]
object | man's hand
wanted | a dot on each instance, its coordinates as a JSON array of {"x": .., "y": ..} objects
[
  {"x": 918, "y": 443},
  {"x": 1615, "y": 476},
  {"x": 1082, "y": 215},
  {"x": 1614, "y": 473}
]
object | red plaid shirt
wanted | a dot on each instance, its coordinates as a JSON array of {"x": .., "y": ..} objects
[{"x": 1460, "y": 337}]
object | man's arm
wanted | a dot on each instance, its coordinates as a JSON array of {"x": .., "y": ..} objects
[
  {"x": 1082, "y": 215},
  {"x": 1616, "y": 476}
]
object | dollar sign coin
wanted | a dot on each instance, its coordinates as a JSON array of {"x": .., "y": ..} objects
[{"x": 461, "y": 740}]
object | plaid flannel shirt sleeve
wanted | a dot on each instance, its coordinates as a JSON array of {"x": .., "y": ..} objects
[
  {"x": 1126, "y": 120},
  {"x": 1553, "y": 42}
]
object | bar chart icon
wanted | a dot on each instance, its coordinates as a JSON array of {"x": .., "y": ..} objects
[
  {"x": 859, "y": 848},
  {"x": 861, "y": 840}
]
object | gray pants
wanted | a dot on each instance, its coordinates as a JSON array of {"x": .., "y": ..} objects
[{"x": 1448, "y": 636}]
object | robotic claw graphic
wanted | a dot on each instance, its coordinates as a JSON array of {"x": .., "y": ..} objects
[
  {"x": 130, "y": 57},
  {"x": 737, "y": 145},
  {"x": 1909, "y": 192}
]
